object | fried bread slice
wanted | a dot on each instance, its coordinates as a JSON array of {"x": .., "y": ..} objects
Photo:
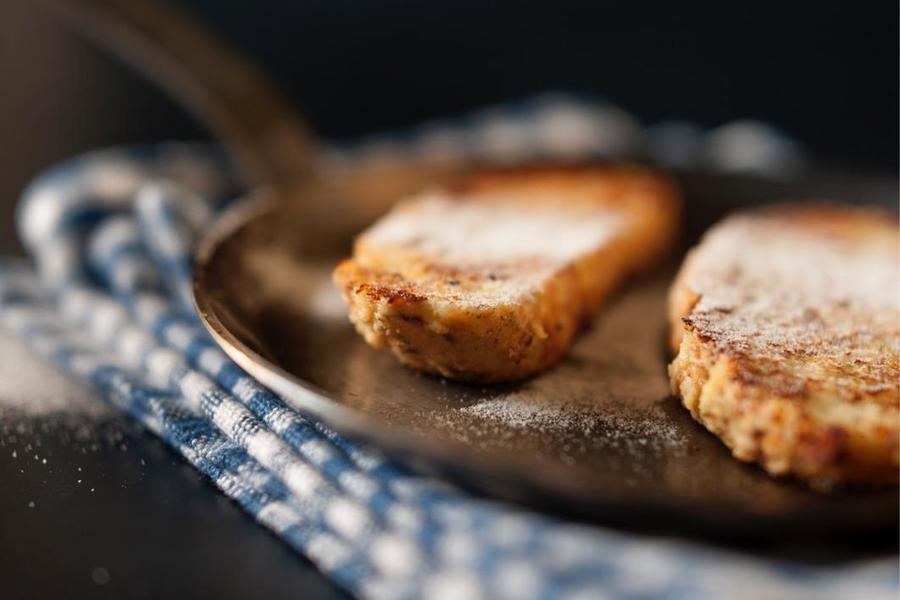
[
  {"x": 489, "y": 280},
  {"x": 786, "y": 325}
]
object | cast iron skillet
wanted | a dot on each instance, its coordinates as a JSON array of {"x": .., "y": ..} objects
[{"x": 597, "y": 436}]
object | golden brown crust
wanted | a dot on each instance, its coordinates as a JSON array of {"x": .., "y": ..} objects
[
  {"x": 787, "y": 330},
  {"x": 506, "y": 313}
]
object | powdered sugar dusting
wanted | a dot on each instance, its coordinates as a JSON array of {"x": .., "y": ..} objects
[
  {"x": 32, "y": 387},
  {"x": 479, "y": 231},
  {"x": 628, "y": 430},
  {"x": 520, "y": 413},
  {"x": 772, "y": 288}
]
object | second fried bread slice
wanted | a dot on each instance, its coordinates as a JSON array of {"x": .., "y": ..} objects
[{"x": 786, "y": 325}]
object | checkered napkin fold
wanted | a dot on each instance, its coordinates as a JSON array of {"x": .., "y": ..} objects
[{"x": 110, "y": 235}]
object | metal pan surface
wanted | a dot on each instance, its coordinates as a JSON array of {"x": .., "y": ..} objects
[{"x": 598, "y": 435}]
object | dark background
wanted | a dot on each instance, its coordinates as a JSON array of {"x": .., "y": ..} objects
[{"x": 825, "y": 72}]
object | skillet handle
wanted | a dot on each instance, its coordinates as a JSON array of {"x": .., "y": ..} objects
[{"x": 270, "y": 143}]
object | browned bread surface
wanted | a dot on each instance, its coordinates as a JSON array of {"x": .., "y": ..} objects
[
  {"x": 489, "y": 280},
  {"x": 786, "y": 325}
]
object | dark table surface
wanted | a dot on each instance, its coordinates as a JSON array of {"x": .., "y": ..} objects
[
  {"x": 92, "y": 506},
  {"x": 141, "y": 524}
]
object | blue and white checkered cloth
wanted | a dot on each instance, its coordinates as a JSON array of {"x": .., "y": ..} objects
[{"x": 111, "y": 234}]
